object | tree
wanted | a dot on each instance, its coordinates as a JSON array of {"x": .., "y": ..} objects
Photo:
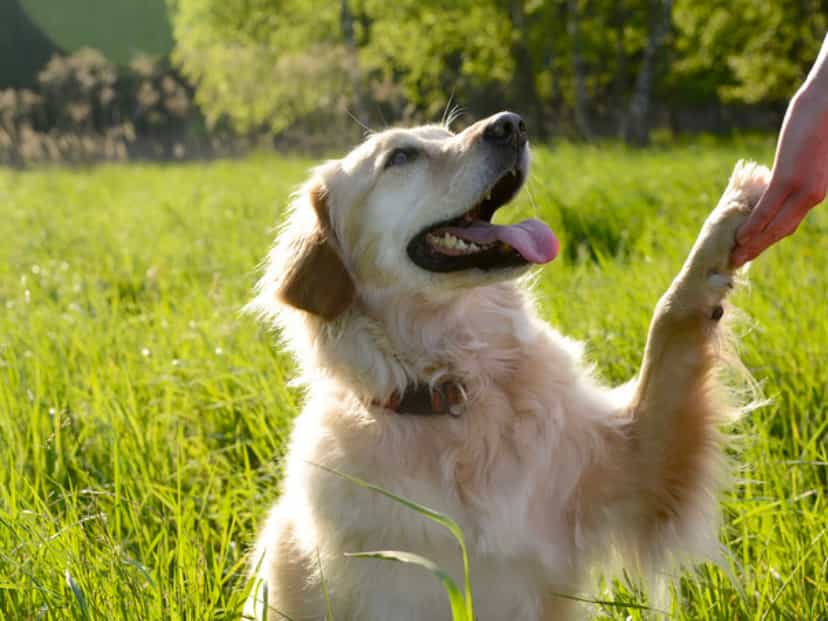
[
  {"x": 523, "y": 81},
  {"x": 594, "y": 67},
  {"x": 574, "y": 27},
  {"x": 744, "y": 51},
  {"x": 434, "y": 50},
  {"x": 263, "y": 62},
  {"x": 635, "y": 129},
  {"x": 346, "y": 20}
]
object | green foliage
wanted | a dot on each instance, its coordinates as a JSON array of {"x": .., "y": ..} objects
[
  {"x": 432, "y": 48},
  {"x": 276, "y": 63},
  {"x": 704, "y": 40},
  {"x": 264, "y": 62},
  {"x": 142, "y": 417},
  {"x": 746, "y": 51},
  {"x": 774, "y": 60}
]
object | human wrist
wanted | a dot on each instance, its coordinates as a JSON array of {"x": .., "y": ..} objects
[
  {"x": 813, "y": 94},
  {"x": 815, "y": 87}
]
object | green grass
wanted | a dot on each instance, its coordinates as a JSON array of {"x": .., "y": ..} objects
[{"x": 142, "y": 418}]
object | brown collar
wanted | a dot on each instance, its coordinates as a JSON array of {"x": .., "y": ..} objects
[{"x": 447, "y": 397}]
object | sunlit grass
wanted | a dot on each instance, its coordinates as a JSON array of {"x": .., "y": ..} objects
[{"x": 142, "y": 417}]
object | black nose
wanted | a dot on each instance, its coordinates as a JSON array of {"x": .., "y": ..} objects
[{"x": 507, "y": 128}]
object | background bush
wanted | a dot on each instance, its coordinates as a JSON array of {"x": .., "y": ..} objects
[{"x": 84, "y": 108}]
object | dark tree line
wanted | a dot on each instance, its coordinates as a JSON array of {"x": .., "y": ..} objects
[
  {"x": 573, "y": 67},
  {"x": 582, "y": 69}
]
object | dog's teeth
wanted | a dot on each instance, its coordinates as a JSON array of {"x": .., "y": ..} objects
[
  {"x": 450, "y": 242},
  {"x": 488, "y": 196},
  {"x": 443, "y": 241}
]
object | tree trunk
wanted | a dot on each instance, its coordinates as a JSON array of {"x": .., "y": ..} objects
[
  {"x": 618, "y": 97},
  {"x": 581, "y": 115},
  {"x": 524, "y": 77},
  {"x": 636, "y": 130},
  {"x": 346, "y": 20},
  {"x": 555, "y": 99}
]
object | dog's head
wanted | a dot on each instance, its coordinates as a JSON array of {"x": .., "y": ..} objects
[{"x": 410, "y": 210}]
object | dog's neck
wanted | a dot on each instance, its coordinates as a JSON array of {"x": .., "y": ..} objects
[{"x": 387, "y": 342}]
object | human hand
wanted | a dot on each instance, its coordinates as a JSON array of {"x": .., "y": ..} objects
[
  {"x": 799, "y": 179},
  {"x": 800, "y": 171}
]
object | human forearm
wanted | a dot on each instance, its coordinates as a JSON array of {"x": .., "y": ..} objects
[{"x": 800, "y": 170}]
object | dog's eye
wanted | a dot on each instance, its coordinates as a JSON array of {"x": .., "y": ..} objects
[{"x": 401, "y": 156}]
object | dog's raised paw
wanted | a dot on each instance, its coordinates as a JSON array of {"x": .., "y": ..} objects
[
  {"x": 707, "y": 276},
  {"x": 746, "y": 186},
  {"x": 711, "y": 253}
]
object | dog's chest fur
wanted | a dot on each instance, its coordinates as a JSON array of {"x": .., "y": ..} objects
[{"x": 489, "y": 469}]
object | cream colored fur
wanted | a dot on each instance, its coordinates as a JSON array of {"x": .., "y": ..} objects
[{"x": 549, "y": 473}]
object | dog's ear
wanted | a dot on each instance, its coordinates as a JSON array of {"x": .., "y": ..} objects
[{"x": 315, "y": 278}]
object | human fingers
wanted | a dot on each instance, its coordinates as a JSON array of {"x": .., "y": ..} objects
[
  {"x": 769, "y": 205},
  {"x": 784, "y": 223}
]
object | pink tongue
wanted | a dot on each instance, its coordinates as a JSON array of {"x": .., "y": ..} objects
[{"x": 531, "y": 238}]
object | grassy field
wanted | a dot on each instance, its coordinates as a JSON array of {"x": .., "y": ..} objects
[{"x": 142, "y": 417}]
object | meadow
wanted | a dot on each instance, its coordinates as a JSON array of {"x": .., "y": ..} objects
[{"x": 143, "y": 416}]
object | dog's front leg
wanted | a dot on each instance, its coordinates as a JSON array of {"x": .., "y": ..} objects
[{"x": 676, "y": 406}]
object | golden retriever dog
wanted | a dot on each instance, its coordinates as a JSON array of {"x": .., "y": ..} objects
[{"x": 429, "y": 373}]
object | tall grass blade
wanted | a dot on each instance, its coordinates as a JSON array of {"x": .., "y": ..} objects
[
  {"x": 431, "y": 514},
  {"x": 78, "y": 593},
  {"x": 459, "y": 609}
]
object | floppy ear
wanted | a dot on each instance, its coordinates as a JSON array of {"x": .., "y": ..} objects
[{"x": 315, "y": 279}]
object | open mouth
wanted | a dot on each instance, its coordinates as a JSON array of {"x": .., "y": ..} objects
[{"x": 472, "y": 241}]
